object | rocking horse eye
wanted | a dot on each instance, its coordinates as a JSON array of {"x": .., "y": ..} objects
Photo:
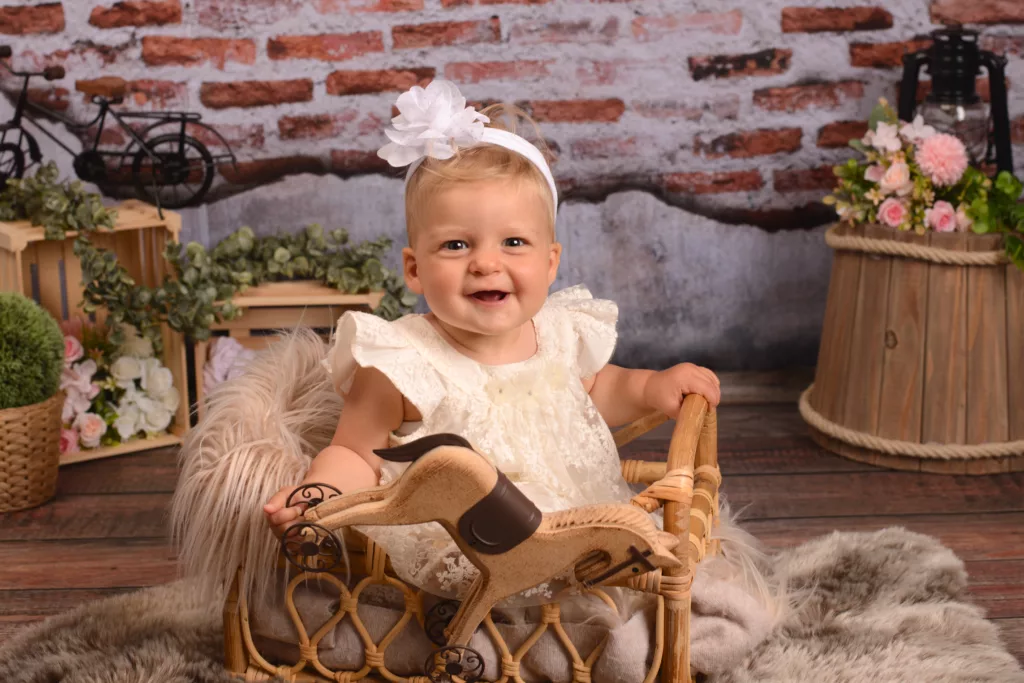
[{"x": 636, "y": 570}]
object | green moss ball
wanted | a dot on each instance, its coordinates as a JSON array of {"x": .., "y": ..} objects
[{"x": 31, "y": 352}]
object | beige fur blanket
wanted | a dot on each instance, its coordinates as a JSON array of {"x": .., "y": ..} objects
[{"x": 261, "y": 430}]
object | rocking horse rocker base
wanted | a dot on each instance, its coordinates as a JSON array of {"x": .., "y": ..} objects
[{"x": 513, "y": 545}]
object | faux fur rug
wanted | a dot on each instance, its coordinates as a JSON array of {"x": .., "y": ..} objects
[{"x": 884, "y": 607}]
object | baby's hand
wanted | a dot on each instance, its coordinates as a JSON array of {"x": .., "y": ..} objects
[
  {"x": 665, "y": 390},
  {"x": 280, "y": 517}
]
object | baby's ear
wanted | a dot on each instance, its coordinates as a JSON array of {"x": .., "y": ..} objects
[{"x": 411, "y": 271}]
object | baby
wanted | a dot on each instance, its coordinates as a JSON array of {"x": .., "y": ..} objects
[{"x": 522, "y": 375}]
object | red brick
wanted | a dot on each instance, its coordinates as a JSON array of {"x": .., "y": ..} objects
[
  {"x": 349, "y": 161},
  {"x": 764, "y": 63},
  {"x": 438, "y": 33},
  {"x": 603, "y": 148},
  {"x": 714, "y": 183},
  {"x": 804, "y": 179},
  {"x": 161, "y": 94},
  {"x": 724, "y": 107},
  {"x": 361, "y": 82},
  {"x": 581, "y": 32},
  {"x": 1017, "y": 130},
  {"x": 137, "y": 13},
  {"x": 885, "y": 55},
  {"x": 839, "y": 133},
  {"x": 474, "y": 72},
  {"x": 263, "y": 171},
  {"x": 55, "y": 99},
  {"x": 255, "y": 93},
  {"x": 687, "y": 23},
  {"x": 347, "y": 6},
  {"x": 799, "y": 97},
  {"x": 465, "y": 3},
  {"x": 346, "y": 123},
  {"x": 576, "y": 110},
  {"x": 165, "y": 50},
  {"x": 818, "y": 19},
  {"x": 237, "y": 135},
  {"x": 977, "y": 12},
  {"x": 981, "y": 86},
  {"x": 85, "y": 54},
  {"x": 749, "y": 143},
  {"x": 21, "y": 20},
  {"x": 327, "y": 47}
]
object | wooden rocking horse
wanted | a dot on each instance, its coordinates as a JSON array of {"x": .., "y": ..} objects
[
  {"x": 500, "y": 531},
  {"x": 600, "y": 545}
]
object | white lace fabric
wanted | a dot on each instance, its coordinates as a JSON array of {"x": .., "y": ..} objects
[{"x": 533, "y": 419}]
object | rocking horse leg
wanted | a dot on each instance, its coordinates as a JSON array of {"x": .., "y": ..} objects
[{"x": 457, "y": 658}]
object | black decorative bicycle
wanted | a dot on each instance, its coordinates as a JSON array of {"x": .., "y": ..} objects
[{"x": 169, "y": 168}]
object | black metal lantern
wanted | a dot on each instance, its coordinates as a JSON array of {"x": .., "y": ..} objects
[{"x": 954, "y": 60}]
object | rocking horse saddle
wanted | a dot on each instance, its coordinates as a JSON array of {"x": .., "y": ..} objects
[{"x": 499, "y": 521}]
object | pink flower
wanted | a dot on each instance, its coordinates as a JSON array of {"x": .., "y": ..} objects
[
  {"x": 874, "y": 173},
  {"x": 963, "y": 221},
  {"x": 941, "y": 217},
  {"x": 897, "y": 179},
  {"x": 90, "y": 428},
  {"x": 68, "y": 441},
  {"x": 72, "y": 350},
  {"x": 942, "y": 158},
  {"x": 892, "y": 212}
]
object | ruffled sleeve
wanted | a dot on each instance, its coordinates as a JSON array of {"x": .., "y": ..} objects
[
  {"x": 590, "y": 323},
  {"x": 365, "y": 340}
]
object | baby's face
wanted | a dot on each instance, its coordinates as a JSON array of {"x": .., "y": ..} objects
[{"x": 483, "y": 255}]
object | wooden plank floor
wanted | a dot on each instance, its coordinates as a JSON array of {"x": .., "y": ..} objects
[{"x": 106, "y": 532}]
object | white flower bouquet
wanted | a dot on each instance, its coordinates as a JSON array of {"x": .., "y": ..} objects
[{"x": 112, "y": 393}]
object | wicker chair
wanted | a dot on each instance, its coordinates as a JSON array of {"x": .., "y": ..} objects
[{"x": 687, "y": 488}]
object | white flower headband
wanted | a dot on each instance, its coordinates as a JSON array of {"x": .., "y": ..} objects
[{"x": 435, "y": 121}]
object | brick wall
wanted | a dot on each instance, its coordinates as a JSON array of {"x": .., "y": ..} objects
[{"x": 731, "y": 109}]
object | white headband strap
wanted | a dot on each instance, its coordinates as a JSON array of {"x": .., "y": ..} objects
[{"x": 519, "y": 145}]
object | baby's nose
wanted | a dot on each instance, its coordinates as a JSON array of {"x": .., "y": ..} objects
[{"x": 485, "y": 261}]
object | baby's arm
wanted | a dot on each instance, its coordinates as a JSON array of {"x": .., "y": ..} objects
[
  {"x": 622, "y": 395},
  {"x": 372, "y": 409}
]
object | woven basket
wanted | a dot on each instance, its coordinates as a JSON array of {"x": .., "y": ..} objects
[{"x": 29, "y": 453}]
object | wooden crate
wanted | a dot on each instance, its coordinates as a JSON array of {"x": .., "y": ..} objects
[
  {"x": 923, "y": 352},
  {"x": 276, "y": 306},
  {"x": 50, "y": 273}
]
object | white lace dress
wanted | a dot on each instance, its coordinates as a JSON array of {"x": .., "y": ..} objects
[{"x": 533, "y": 419}]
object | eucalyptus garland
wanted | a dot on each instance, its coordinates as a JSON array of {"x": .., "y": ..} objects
[{"x": 201, "y": 284}]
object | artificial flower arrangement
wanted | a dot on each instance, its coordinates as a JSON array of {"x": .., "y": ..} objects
[
  {"x": 915, "y": 178},
  {"x": 113, "y": 392}
]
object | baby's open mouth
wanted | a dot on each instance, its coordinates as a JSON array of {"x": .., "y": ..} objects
[{"x": 490, "y": 295}]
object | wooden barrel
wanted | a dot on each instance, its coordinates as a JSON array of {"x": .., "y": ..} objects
[{"x": 922, "y": 352}]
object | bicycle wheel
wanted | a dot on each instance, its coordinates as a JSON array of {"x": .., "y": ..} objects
[
  {"x": 179, "y": 173},
  {"x": 12, "y": 162}
]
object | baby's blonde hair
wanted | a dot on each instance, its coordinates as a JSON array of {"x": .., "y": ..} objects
[{"x": 481, "y": 162}]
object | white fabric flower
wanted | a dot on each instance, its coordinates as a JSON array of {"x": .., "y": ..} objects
[
  {"x": 125, "y": 370},
  {"x": 884, "y": 138},
  {"x": 170, "y": 399},
  {"x": 127, "y": 422},
  {"x": 156, "y": 379},
  {"x": 432, "y": 121},
  {"x": 91, "y": 428},
  {"x": 74, "y": 404},
  {"x": 917, "y": 131},
  {"x": 138, "y": 347},
  {"x": 226, "y": 359}
]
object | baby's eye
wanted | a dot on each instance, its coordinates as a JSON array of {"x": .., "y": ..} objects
[
  {"x": 515, "y": 242},
  {"x": 454, "y": 245}
]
